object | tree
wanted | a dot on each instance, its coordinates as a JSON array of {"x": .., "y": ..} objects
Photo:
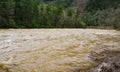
[
  {"x": 94, "y": 5},
  {"x": 6, "y": 13},
  {"x": 26, "y": 12}
]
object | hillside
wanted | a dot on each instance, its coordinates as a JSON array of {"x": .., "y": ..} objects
[
  {"x": 59, "y": 13},
  {"x": 90, "y": 5}
]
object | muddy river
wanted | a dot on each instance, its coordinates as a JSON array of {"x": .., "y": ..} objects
[{"x": 59, "y": 50}]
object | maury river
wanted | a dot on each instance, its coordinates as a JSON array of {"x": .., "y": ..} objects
[{"x": 59, "y": 50}]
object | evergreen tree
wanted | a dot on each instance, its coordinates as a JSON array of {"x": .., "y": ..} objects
[
  {"x": 26, "y": 12},
  {"x": 6, "y": 13}
]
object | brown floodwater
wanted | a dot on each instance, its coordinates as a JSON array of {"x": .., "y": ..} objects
[{"x": 58, "y": 50}]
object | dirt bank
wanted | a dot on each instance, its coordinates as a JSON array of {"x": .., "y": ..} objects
[{"x": 59, "y": 50}]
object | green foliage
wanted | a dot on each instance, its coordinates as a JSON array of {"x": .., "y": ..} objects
[
  {"x": 64, "y": 3},
  {"x": 36, "y": 14},
  {"x": 49, "y": 15},
  {"x": 19, "y": 13},
  {"x": 6, "y": 12},
  {"x": 94, "y": 5},
  {"x": 105, "y": 18},
  {"x": 26, "y": 13}
]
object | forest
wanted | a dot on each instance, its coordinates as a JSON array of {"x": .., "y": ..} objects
[{"x": 59, "y": 13}]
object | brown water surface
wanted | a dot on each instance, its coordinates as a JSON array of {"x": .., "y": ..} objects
[{"x": 54, "y": 50}]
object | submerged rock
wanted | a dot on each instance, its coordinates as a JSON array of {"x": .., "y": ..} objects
[{"x": 110, "y": 62}]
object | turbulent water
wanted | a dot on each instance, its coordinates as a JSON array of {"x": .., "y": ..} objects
[{"x": 58, "y": 50}]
